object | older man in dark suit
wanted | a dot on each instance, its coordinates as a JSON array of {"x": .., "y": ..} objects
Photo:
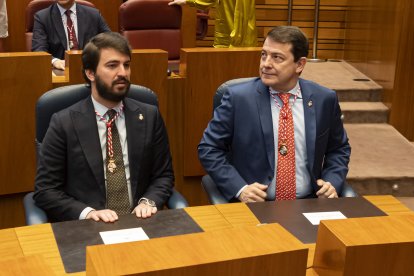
[
  {"x": 278, "y": 136},
  {"x": 106, "y": 155},
  {"x": 63, "y": 26}
]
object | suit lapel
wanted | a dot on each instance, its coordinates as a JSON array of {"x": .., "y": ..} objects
[
  {"x": 310, "y": 122},
  {"x": 136, "y": 125},
  {"x": 86, "y": 129},
  {"x": 265, "y": 114},
  {"x": 81, "y": 24},
  {"x": 58, "y": 25}
]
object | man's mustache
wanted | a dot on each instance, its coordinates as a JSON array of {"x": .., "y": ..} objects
[{"x": 121, "y": 80}]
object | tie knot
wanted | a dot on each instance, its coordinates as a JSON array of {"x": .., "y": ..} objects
[
  {"x": 284, "y": 97},
  {"x": 68, "y": 12},
  {"x": 111, "y": 114}
]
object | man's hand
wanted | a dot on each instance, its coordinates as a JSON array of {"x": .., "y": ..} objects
[
  {"x": 104, "y": 215},
  {"x": 326, "y": 190},
  {"x": 144, "y": 210},
  {"x": 59, "y": 64},
  {"x": 253, "y": 193},
  {"x": 177, "y": 2}
]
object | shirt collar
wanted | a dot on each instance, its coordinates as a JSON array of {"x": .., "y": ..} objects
[
  {"x": 101, "y": 109},
  {"x": 62, "y": 10},
  {"x": 294, "y": 91}
]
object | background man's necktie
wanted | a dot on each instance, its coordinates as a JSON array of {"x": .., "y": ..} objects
[
  {"x": 286, "y": 172},
  {"x": 116, "y": 184},
  {"x": 73, "y": 41}
]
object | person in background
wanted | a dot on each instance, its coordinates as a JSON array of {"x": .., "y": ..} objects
[
  {"x": 3, "y": 24},
  {"x": 235, "y": 23},
  {"x": 63, "y": 26},
  {"x": 106, "y": 155},
  {"x": 277, "y": 136}
]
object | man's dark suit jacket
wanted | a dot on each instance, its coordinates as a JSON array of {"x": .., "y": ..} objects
[
  {"x": 49, "y": 33},
  {"x": 70, "y": 175},
  {"x": 242, "y": 127}
]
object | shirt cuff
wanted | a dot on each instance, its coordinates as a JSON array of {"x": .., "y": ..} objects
[
  {"x": 53, "y": 60},
  {"x": 240, "y": 191},
  {"x": 85, "y": 212}
]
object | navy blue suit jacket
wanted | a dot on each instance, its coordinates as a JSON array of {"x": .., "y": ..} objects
[
  {"x": 237, "y": 147},
  {"x": 49, "y": 33}
]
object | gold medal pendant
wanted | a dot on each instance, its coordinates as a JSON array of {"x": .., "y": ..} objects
[
  {"x": 111, "y": 166},
  {"x": 283, "y": 150}
]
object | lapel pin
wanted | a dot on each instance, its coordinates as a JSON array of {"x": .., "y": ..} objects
[
  {"x": 310, "y": 103},
  {"x": 141, "y": 117}
]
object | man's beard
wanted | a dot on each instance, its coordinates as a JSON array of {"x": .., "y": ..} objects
[{"x": 109, "y": 93}]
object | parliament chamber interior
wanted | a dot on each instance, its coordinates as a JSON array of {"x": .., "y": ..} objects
[{"x": 362, "y": 51}]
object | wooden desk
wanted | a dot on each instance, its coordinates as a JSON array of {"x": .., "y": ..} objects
[{"x": 39, "y": 239}]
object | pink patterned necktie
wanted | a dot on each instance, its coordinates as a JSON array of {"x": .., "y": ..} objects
[
  {"x": 286, "y": 172},
  {"x": 73, "y": 42}
]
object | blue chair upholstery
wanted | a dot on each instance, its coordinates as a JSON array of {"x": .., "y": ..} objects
[
  {"x": 60, "y": 98},
  {"x": 213, "y": 193}
]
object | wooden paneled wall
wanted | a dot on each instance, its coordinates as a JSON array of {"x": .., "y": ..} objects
[
  {"x": 271, "y": 13},
  {"x": 379, "y": 43}
]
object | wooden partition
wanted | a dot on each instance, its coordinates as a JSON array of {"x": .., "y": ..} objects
[
  {"x": 365, "y": 246},
  {"x": 23, "y": 78},
  {"x": 205, "y": 70}
]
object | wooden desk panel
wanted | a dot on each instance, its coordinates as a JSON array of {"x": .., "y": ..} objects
[
  {"x": 389, "y": 204},
  {"x": 9, "y": 245},
  {"x": 208, "y": 217},
  {"x": 205, "y": 70},
  {"x": 23, "y": 78},
  {"x": 366, "y": 246},
  {"x": 30, "y": 265},
  {"x": 238, "y": 214},
  {"x": 264, "y": 250},
  {"x": 39, "y": 239}
]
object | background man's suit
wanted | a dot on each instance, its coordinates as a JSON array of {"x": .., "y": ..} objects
[
  {"x": 242, "y": 125},
  {"x": 49, "y": 33},
  {"x": 73, "y": 133}
]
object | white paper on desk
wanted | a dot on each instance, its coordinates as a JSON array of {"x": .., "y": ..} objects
[
  {"x": 316, "y": 217},
  {"x": 124, "y": 235}
]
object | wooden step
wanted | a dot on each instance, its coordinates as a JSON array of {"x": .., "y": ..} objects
[
  {"x": 348, "y": 82},
  {"x": 381, "y": 160},
  {"x": 364, "y": 112}
]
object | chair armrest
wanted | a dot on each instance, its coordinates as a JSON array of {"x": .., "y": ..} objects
[
  {"x": 347, "y": 191},
  {"x": 176, "y": 201},
  {"x": 33, "y": 214},
  {"x": 213, "y": 193}
]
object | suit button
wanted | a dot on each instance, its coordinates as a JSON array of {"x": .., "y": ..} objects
[{"x": 269, "y": 177}]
